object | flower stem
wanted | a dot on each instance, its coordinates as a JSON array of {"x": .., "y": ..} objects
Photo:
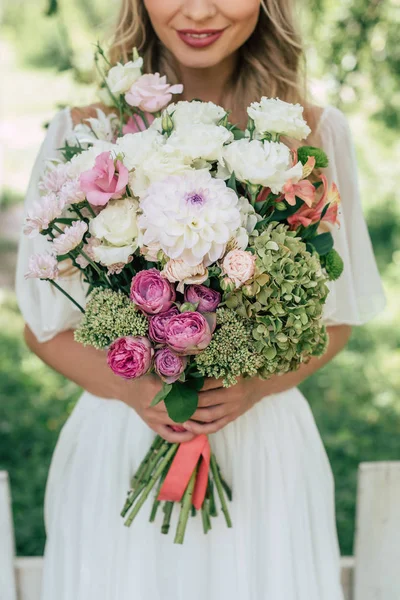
[
  {"x": 139, "y": 473},
  {"x": 151, "y": 484},
  {"x": 66, "y": 294},
  {"x": 217, "y": 480},
  {"x": 90, "y": 209},
  {"x": 186, "y": 505},
  {"x": 158, "y": 453},
  {"x": 205, "y": 516},
  {"x": 211, "y": 495},
  {"x": 168, "y": 508}
]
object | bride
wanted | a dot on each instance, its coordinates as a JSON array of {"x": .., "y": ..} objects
[{"x": 283, "y": 545}]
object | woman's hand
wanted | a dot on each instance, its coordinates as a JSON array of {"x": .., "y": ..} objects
[
  {"x": 218, "y": 406},
  {"x": 138, "y": 394}
]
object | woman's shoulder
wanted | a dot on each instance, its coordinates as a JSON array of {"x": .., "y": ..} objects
[{"x": 80, "y": 113}]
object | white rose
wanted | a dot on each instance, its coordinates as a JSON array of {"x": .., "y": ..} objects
[
  {"x": 189, "y": 113},
  {"x": 238, "y": 266},
  {"x": 273, "y": 115},
  {"x": 121, "y": 77},
  {"x": 111, "y": 255},
  {"x": 200, "y": 141},
  {"x": 179, "y": 270},
  {"x": 261, "y": 163},
  {"x": 161, "y": 163},
  {"x": 117, "y": 223},
  {"x": 136, "y": 147}
]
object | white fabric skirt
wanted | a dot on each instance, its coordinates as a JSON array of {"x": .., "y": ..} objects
[{"x": 283, "y": 544}]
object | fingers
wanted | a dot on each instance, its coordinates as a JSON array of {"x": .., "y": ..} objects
[
  {"x": 211, "y": 384},
  {"x": 198, "y": 428},
  {"x": 173, "y": 437},
  {"x": 214, "y": 413},
  {"x": 214, "y": 397}
]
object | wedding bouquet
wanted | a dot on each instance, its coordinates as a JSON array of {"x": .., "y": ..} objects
[{"x": 202, "y": 251}]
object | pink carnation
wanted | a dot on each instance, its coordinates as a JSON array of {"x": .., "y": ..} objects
[
  {"x": 42, "y": 266},
  {"x": 71, "y": 238},
  {"x": 188, "y": 333},
  {"x": 136, "y": 124},
  {"x": 130, "y": 357},
  {"x": 168, "y": 365},
  {"x": 238, "y": 266},
  {"x": 151, "y": 92},
  {"x": 152, "y": 293},
  {"x": 108, "y": 179},
  {"x": 71, "y": 192},
  {"x": 54, "y": 178}
]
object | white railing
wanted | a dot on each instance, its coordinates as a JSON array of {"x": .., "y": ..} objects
[{"x": 372, "y": 574}]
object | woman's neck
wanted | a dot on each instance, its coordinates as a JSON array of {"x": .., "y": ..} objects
[{"x": 207, "y": 84}]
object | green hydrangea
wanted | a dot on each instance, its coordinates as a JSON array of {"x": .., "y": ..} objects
[
  {"x": 231, "y": 352},
  {"x": 109, "y": 315},
  {"x": 284, "y": 302}
]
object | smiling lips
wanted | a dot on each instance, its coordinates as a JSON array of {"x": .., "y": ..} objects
[{"x": 199, "y": 38}]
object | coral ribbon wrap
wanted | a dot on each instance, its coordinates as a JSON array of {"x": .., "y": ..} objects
[{"x": 181, "y": 470}]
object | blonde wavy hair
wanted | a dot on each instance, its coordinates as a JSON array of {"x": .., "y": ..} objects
[{"x": 271, "y": 62}]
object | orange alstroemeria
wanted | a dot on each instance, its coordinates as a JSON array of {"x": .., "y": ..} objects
[
  {"x": 307, "y": 215},
  {"x": 302, "y": 189}
]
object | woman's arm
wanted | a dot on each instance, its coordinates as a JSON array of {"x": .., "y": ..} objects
[
  {"x": 88, "y": 367},
  {"x": 219, "y": 406}
]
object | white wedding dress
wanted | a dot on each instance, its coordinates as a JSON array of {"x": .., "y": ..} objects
[{"x": 283, "y": 544}]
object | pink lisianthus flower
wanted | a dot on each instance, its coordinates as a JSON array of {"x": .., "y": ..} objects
[
  {"x": 42, "y": 266},
  {"x": 158, "y": 323},
  {"x": 71, "y": 238},
  {"x": 152, "y": 293},
  {"x": 151, "y": 92},
  {"x": 136, "y": 123},
  {"x": 188, "y": 333},
  {"x": 108, "y": 179},
  {"x": 130, "y": 357},
  {"x": 308, "y": 215},
  {"x": 42, "y": 214},
  {"x": 168, "y": 365}
]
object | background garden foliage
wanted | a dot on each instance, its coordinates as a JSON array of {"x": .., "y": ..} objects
[{"x": 354, "y": 61}]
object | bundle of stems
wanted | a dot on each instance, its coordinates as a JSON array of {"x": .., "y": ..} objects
[{"x": 151, "y": 475}]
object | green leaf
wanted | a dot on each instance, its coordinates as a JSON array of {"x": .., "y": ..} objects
[
  {"x": 323, "y": 243},
  {"x": 231, "y": 183},
  {"x": 282, "y": 215},
  {"x": 181, "y": 402},
  {"x": 162, "y": 394},
  {"x": 197, "y": 382}
]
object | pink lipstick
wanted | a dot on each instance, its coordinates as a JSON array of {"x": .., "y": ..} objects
[{"x": 199, "y": 38}]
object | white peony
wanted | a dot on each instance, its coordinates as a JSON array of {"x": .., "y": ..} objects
[
  {"x": 200, "y": 141},
  {"x": 261, "y": 163},
  {"x": 121, "y": 77},
  {"x": 113, "y": 255},
  {"x": 273, "y": 115},
  {"x": 117, "y": 223},
  {"x": 196, "y": 112},
  {"x": 104, "y": 127},
  {"x": 192, "y": 216}
]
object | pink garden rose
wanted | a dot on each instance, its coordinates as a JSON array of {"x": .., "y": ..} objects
[
  {"x": 151, "y": 92},
  {"x": 157, "y": 324},
  {"x": 206, "y": 298},
  {"x": 168, "y": 365},
  {"x": 108, "y": 179},
  {"x": 188, "y": 333},
  {"x": 239, "y": 266},
  {"x": 130, "y": 357},
  {"x": 136, "y": 123},
  {"x": 152, "y": 293}
]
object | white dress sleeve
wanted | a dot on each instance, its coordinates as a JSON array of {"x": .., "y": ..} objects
[
  {"x": 46, "y": 310},
  {"x": 357, "y": 295}
]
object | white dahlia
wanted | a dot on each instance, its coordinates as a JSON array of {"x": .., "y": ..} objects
[{"x": 192, "y": 216}]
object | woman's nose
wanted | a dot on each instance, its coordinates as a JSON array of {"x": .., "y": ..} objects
[{"x": 199, "y": 10}]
